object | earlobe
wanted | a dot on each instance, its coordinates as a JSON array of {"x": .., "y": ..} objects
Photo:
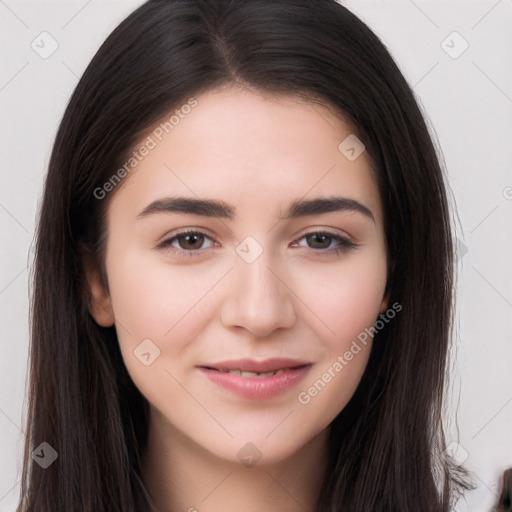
[{"x": 99, "y": 303}]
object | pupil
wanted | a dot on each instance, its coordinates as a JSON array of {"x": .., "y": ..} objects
[{"x": 319, "y": 240}]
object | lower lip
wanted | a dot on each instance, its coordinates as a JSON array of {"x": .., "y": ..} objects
[{"x": 257, "y": 388}]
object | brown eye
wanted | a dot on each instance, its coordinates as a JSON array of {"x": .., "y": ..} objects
[
  {"x": 325, "y": 242},
  {"x": 319, "y": 240},
  {"x": 187, "y": 242},
  {"x": 190, "y": 241}
]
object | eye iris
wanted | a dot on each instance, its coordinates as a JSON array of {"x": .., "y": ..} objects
[
  {"x": 319, "y": 240},
  {"x": 191, "y": 241}
]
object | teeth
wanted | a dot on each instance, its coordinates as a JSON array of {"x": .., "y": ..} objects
[{"x": 251, "y": 375}]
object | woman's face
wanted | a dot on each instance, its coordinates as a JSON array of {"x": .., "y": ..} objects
[{"x": 284, "y": 267}]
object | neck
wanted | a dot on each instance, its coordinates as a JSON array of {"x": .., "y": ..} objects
[{"x": 182, "y": 476}]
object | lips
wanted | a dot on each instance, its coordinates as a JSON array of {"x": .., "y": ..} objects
[{"x": 256, "y": 380}]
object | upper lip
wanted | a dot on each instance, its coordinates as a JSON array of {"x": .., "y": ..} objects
[{"x": 261, "y": 366}]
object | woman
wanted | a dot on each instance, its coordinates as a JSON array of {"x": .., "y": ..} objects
[{"x": 243, "y": 280}]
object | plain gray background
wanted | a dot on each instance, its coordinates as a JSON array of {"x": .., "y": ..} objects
[{"x": 467, "y": 96}]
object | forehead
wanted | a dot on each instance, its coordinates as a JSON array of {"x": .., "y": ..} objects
[{"x": 251, "y": 150}]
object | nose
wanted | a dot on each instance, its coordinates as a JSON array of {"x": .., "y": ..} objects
[{"x": 258, "y": 299}]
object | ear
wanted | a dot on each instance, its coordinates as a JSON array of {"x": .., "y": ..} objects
[
  {"x": 385, "y": 302},
  {"x": 99, "y": 303},
  {"x": 387, "y": 290}
]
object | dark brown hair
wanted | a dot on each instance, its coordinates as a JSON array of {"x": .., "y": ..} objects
[{"x": 386, "y": 446}]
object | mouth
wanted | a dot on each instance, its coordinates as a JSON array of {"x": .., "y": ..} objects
[
  {"x": 251, "y": 375},
  {"x": 251, "y": 368},
  {"x": 257, "y": 380}
]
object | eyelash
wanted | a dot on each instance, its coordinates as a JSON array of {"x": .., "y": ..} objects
[{"x": 344, "y": 244}]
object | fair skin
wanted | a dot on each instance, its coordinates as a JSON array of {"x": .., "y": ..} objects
[{"x": 297, "y": 299}]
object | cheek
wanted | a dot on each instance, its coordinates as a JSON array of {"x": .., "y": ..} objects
[
  {"x": 349, "y": 312},
  {"x": 158, "y": 303},
  {"x": 166, "y": 304},
  {"x": 151, "y": 299},
  {"x": 347, "y": 298}
]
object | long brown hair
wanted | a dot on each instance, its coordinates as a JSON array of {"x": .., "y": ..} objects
[{"x": 387, "y": 444}]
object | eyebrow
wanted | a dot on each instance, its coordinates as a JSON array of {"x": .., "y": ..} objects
[{"x": 220, "y": 209}]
